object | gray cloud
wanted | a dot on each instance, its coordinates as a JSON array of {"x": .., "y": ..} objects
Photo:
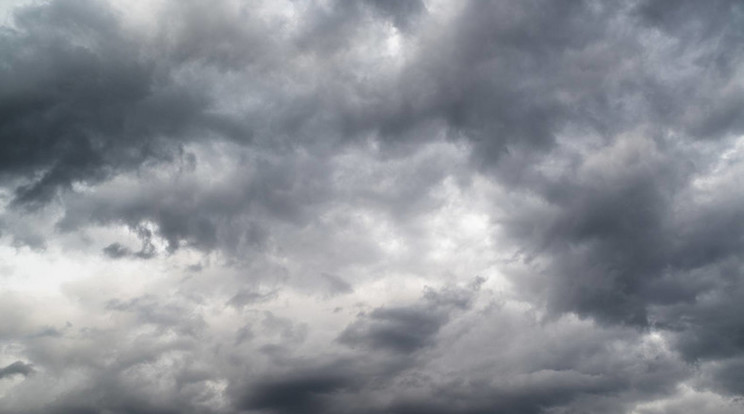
[
  {"x": 116, "y": 251},
  {"x": 407, "y": 329},
  {"x": 323, "y": 161},
  {"x": 298, "y": 391},
  {"x": 16, "y": 368},
  {"x": 73, "y": 93}
]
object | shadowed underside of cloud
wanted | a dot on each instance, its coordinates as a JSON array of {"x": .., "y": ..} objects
[
  {"x": 16, "y": 368},
  {"x": 296, "y": 173}
]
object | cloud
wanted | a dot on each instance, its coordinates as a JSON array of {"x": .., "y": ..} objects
[
  {"x": 407, "y": 329},
  {"x": 297, "y": 174},
  {"x": 78, "y": 99},
  {"x": 16, "y": 368},
  {"x": 296, "y": 392},
  {"x": 116, "y": 251}
]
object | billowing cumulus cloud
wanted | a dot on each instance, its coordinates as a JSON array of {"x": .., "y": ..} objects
[{"x": 373, "y": 206}]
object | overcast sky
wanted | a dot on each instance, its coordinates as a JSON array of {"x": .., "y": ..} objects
[{"x": 371, "y": 206}]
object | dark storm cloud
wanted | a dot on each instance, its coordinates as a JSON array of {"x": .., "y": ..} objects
[
  {"x": 714, "y": 35},
  {"x": 511, "y": 76},
  {"x": 303, "y": 391},
  {"x": 54, "y": 121},
  {"x": 16, "y": 368},
  {"x": 615, "y": 235},
  {"x": 621, "y": 233},
  {"x": 539, "y": 366},
  {"x": 407, "y": 329},
  {"x": 507, "y": 79},
  {"x": 82, "y": 98},
  {"x": 116, "y": 251},
  {"x": 397, "y": 329},
  {"x": 610, "y": 127},
  {"x": 569, "y": 369},
  {"x": 507, "y": 76},
  {"x": 207, "y": 217}
]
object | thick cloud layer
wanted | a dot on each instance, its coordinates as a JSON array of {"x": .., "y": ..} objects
[{"x": 371, "y": 206}]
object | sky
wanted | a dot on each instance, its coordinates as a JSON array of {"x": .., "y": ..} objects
[{"x": 371, "y": 206}]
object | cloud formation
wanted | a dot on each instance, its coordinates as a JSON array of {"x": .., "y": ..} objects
[
  {"x": 396, "y": 206},
  {"x": 16, "y": 368}
]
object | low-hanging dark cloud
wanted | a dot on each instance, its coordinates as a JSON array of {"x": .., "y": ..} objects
[
  {"x": 296, "y": 174},
  {"x": 16, "y": 368}
]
